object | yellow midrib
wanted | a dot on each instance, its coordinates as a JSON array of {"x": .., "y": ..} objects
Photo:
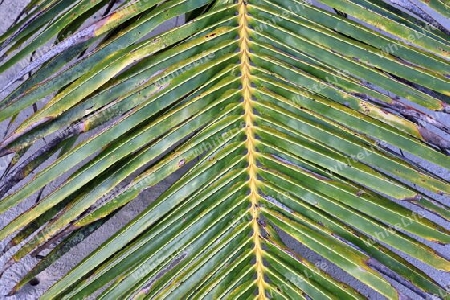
[{"x": 250, "y": 143}]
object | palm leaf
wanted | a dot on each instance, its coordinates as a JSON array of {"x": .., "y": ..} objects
[{"x": 292, "y": 125}]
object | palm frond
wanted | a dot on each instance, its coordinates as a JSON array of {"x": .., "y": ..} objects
[{"x": 292, "y": 124}]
